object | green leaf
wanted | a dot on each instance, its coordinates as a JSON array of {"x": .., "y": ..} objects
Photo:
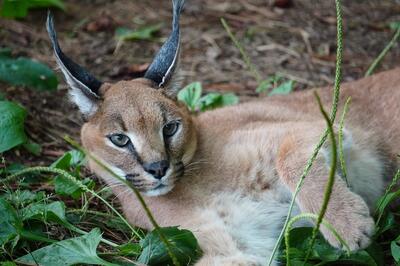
[
  {"x": 26, "y": 72},
  {"x": 69, "y": 160},
  {"x": 23, "y": 197},
  {"x": 19, "y": 8},
  {"x": 184, "y": 246},
  {"x": 7, "y": 263},
  {"x": 78, "y": 250},
  {"x": 53, "y": 212},
  {"x": 386, "y": 223},
  {"x": 283, "y": 89},
  {"x": 130, "y": 249},
  {"x": 214, "y": 100},
  {"x": 395, "y": 249},
  {"x": 190, "y": 95},
  {"x": 14, "y": 8},
  {"x": 394, "y": 25},
  {"x": 144, "y": 33},
  {"x": 384, "y": 201},
  {"x": 47, "y": 3},
  {"x": 12, "y": 117},
  {"x": 229, "y": 99},
  {"x": 33, "y": 147},
  {"x": 10, "y": 224},
  {"x": 66, "y": 187},
  {"x": 360, "y": 258},
  {"x": 210, "y": 101}
]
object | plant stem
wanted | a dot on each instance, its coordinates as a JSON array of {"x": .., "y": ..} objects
[
  {"x": 340, "y": 142},
  {"x": 331, "y": 179},
  {"x": 378, "y": 60},
  {"x": 139, "y": 197},
  {"x": 34, "y": 237},
  {"x": 336, "y": 93},
  {"x": 245, "y": 56}
]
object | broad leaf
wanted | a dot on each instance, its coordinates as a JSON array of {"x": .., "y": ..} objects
[
  {"x": 69, "y": 160},
  {"x": 27, "y": 72},
  {"x": 23, "y": 197},
  {"x": 66, "y": 187},
  {"x": 12, "y": 117},
  {"x": 144, "y": 33},
  {"x": 130, "y": 249},
  {"x": 395, "y": 249},
  {"x": 19, "y": 8},
  {"x": 190, "y": 95},
  {"x": 52, "y": 212},
  {"x": 184, "y": 246},
  {"x": 47, "y": 3},
  {"x": 10, "y": 224},
  {"x": 214, "y": 100},
  {"x": 33, "y": 147},
  {"x": 78, "y": 250},
  {"x": 284, "y": 88}
]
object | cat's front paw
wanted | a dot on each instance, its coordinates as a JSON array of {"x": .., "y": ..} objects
[{"x": 352, "y": 221}]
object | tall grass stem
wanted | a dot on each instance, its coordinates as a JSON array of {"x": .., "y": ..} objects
[{"x": 336, "y": 94}]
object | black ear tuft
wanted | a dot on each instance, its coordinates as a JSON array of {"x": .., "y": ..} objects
[
  {"x": 76, "y": 76},
  {"x": 165, "y": 63}
]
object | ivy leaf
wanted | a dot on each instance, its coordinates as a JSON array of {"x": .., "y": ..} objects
[
  {"x": 190, "y": 95},
  {"x": 54, "y": 212},
  {"x": 27, "y": 72},
  {"x": 12, "y": 117},
  {"x": 184, "y": 246},
  {"x": 78, "y": 250}
]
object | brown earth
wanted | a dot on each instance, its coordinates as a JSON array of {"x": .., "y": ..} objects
[{"x": 297, "y": 40}]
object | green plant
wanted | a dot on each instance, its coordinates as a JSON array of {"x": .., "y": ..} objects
[
  {"x": 273, "y": 85},
  {"x": 191, "y": 96},
  {"x": 20, "y": 209},
  {"x": 26, "y": 72},
  {"x": 20, "y": 72},
  {"x": 336, "y": 93},
  {"x": 396, "y": 27},
  {"x": 12, "y": 117},
  {"x": 19, "y": 8}
]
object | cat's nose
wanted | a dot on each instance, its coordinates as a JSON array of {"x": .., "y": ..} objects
[{"x": 157, "y": 169}]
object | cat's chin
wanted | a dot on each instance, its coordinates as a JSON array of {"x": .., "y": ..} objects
[{"x": 158, "y": 191}]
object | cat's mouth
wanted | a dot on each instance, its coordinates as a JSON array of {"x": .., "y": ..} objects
[
  {"x": 159, "y": 190},
  {"x": 159, "y": 187}
]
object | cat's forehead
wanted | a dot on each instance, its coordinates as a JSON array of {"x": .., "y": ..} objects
[{"x": 134, "y": 105}]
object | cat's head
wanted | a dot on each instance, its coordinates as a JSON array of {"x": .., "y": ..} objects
[{"x": 137, "y": 128}]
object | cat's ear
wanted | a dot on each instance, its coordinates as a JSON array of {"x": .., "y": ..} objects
[
  {"x": 84, "y": 87},
  {"x": 163, "y": 71}
]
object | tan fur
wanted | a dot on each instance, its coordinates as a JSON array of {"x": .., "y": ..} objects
[{"x": 243, "y": 162}]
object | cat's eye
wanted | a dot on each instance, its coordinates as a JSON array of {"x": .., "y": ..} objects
[
  {"x": 170, "y": 129},
  {"x": 119, "y": 140}
]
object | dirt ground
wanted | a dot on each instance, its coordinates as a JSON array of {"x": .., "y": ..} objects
[{"x": 297, "y": 40}]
